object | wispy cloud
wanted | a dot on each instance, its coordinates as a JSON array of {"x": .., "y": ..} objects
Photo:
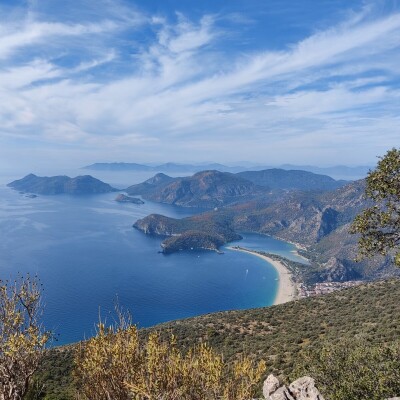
[{"x": 175, "y": 88}]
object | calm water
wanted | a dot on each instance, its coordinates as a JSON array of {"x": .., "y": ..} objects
[{"x": 87, "y": 255}]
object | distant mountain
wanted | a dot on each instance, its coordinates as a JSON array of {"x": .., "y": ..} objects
[
  {"x": 206, "y": 189},
  {"x": 336, "y": 172},
  {"x": 61, "y": 184},
  {"x": 118, "y": 167},
  {"x": 167, "y": 167},
  {"x": 291, "y": 180}
]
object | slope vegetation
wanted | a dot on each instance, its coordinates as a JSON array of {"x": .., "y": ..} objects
[{"x": 277, "y": 334}]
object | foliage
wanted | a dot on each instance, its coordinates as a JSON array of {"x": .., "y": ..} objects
[
  {"x": 22, "y": 339},
  {"x": 354, "y": 370},
  {"x": 115, "y": 365},
  {"x": 379, "y": 225},
  {"x": 278, "y": 334}
]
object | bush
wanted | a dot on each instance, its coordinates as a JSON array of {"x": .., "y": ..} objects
[
  {"x": 115, "y": 365},
  {"x": 354, "y": 370}
]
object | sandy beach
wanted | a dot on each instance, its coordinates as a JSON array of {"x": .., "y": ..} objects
[{"x": 286, "y": 288}]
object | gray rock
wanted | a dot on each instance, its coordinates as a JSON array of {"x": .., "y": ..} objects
[
  {"x": 271, "y": 385},
  {"x": 301, "y": 389},
  {"x": 281, "y": 394},
  {"x": 304, "y": 389}
]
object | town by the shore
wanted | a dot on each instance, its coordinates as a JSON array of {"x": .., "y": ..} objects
[{"x": 286, "y": 288}]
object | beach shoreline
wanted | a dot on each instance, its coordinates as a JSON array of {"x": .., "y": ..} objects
[{"x": 286, "y": 288}]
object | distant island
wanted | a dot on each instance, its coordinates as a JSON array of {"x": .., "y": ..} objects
[
  {"x": 61, "y": 185},
  {"x": 122, "y": 198}
]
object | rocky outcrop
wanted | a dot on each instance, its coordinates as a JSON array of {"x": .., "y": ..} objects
[
  {"x": 301, "y": 389},
  {"x": 121, "y": 198}
]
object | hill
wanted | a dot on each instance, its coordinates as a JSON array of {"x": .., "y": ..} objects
[
  {"x": 61, "y": 184},
  {"x": 277, "y": 334},
  {"x": 150, "y": 186},
  {"x": 318, "y": 222},
  {"x": 206, "y": 189},
  {"x": 291, "y": 180}
]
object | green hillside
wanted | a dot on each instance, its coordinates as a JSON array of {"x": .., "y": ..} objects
[{"x": 276, "y": 334}]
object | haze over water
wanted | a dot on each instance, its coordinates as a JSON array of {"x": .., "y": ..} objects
[{"x": 87, "y": 256}]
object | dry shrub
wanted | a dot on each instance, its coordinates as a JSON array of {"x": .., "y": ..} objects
[
  {"x": 22, "y": 339},
  {"x": 115, "y": 365}
]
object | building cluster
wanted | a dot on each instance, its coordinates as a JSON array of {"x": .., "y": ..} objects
[{"x": 324, "y": 288}]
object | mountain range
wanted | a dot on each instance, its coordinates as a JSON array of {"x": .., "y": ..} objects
[
  {"x": 336, "y": 172},
  {"x": 210, "y": 189}
]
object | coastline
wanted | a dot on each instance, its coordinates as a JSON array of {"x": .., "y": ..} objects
[{"x": 286, "y": 288}]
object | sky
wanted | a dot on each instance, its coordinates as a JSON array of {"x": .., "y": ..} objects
[{"x": 266, "y": 81}]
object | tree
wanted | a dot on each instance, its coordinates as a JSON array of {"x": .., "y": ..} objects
[
  {"x": 22, "y": 338},
  {"x": 117, "y": 365},
  {"x": 379, "y": 224}
]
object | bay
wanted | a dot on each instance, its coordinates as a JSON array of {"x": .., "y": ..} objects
[{"x": 88, "y": 256}]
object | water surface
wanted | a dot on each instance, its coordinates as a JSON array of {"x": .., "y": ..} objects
[{"x": 87, "y": 255}]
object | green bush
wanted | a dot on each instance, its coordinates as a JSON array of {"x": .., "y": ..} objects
[{"x": 354, "y": 370}]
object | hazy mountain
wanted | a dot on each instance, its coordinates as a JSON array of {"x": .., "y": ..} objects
[
  {"x": 166, "y": 167},
  {"x": 61, "y": 184},
  {"x": 291, "y": 180},
  {"x": 203, "y": 189},
  {"x": 120, "y": 166},
  {"x": 336, "y": 172}
]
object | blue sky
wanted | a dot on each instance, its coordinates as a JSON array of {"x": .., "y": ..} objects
[{"x": 270, "y": 82}]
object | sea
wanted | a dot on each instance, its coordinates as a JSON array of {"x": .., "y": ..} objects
[{"x": 89, "y": 259}]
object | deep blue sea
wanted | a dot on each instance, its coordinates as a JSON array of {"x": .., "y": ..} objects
[{"x": 88, "y": 256}]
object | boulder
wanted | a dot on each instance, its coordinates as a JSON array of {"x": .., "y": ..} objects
[
  {"x": 301, "y": 389},
  {"x": 304, "y": 389},
  {"x": 271, "y": 385}
]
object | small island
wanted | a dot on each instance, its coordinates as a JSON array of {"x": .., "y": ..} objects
[{"x": 122, "y": 198}]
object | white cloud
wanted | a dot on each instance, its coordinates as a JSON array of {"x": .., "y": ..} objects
[{"x": 181, "y": 90}]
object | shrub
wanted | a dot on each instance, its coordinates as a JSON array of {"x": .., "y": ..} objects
[
  {"x": 115, "y": 365},
  {"x": 354, "y": 370}
]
